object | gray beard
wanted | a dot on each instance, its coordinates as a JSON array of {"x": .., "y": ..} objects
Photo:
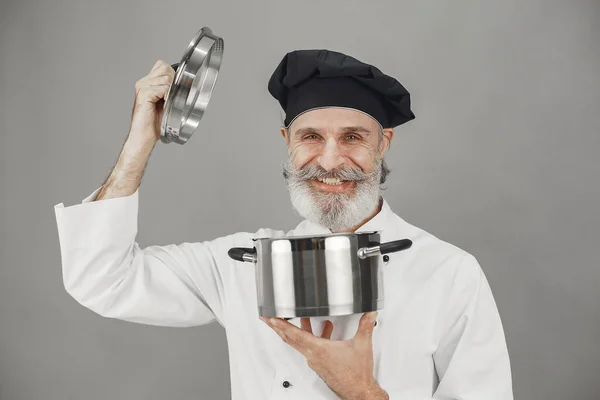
[{"x": 335, "y": 211}]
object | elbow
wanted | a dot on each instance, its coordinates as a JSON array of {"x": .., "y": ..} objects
[
  {"x": 95, "y": 285},
  {"x": 93, "y": 298}
]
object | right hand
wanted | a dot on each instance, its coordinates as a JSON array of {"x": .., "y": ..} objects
[{"x": 148, "y": 106}]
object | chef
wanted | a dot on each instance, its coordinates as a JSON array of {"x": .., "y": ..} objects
[{"x": 439, "y": 335}]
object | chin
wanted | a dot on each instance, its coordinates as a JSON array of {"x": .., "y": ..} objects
[
  {"x": 339, "y": 206},
  {"x": 335, "y": 211}
]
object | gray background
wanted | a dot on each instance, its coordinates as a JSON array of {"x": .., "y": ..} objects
[{"x": 502, "y": 161}]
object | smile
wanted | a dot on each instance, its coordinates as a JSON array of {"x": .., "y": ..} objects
[
  {"x": 331, "y": 181},
  {"x": 333, "y": 185}
]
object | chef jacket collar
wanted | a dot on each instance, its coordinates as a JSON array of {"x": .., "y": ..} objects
[{"x": 384, "y": 220}]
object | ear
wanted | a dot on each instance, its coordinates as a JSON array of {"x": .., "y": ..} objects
[
  {"x": 286, "y": 136},
  {"x": 284, "y": 133},
  {"x": 386, "y": 140}
]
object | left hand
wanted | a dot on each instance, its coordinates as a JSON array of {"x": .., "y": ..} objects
[{"x": 346, "y": 366}]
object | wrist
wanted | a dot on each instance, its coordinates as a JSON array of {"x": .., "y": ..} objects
[
  {"x": 373, "y": 392},
  {"x": 378, "y": 394}
]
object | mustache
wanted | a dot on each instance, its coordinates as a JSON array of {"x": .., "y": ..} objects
[{"x": 313, "y": 171}]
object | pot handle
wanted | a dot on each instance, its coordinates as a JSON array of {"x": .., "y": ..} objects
[
  {"x": 384, "y": 248},
  {"x": 243, "y": 254}
]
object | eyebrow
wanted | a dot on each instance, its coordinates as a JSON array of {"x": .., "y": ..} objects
[{"x": 346, "y": 129}]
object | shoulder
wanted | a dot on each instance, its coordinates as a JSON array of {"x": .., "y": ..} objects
[{"x": 437, "y": 257}]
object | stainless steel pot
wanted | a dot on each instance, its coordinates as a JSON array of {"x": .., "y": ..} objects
[
  {"x": 192, "y": 87},
  {"x": 326, "y": 275}
]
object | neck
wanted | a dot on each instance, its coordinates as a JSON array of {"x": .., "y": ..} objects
[{"x": 370, "y": 217}]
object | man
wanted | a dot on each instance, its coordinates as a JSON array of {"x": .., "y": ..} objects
[{"x": 439, "y": 335}]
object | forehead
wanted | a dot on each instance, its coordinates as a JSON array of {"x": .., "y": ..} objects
[{"x": 332, "y": 119}]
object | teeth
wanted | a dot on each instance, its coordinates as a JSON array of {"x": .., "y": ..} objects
[{"x": 331, "y": 181}]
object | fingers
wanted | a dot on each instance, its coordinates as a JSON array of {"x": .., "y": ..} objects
[
  {"x": 327, "y": 327},
  {"x": 157, "y": 64},
  {"x": 327, "y": 330},
  {"x": 152, "y": 93},
  {"x": 366, "y": 326},
  {"x": 164, "y": 69},
  {"x": 155, "y": 86},
  {"x": 292, "y": 339},
  {"x": 159, "y": 80},
  {"x": 305, "y": 324},
  {"x": 300, "y": 336},
  {"x": 297, "y": 335},
  {"x": 154, "y": 81},
  {"x": 162, "y": 66},
  {"x": 161, "y": 74}
]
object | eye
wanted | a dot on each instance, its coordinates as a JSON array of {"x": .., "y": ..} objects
[
  {"x": 352, "y": 137},
  {"x": 311, "y": 137}
]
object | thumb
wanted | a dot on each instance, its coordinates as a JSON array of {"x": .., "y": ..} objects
[{"x": 366, "y": 325}]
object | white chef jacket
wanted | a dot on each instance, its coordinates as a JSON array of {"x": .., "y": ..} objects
[{"x": 439, "y": 335}]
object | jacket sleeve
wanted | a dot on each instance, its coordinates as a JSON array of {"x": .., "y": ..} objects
[
  {"x": 107, "y": 271},
  {"x": 472, "y": 359}
]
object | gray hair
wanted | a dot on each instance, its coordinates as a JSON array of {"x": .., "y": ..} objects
[{"x": 385, "y": 171}]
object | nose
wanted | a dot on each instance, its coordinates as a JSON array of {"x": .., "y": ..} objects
[{"x": 331, "y": 156}]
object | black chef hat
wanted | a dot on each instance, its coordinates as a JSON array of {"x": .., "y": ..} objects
[{"x": 309, "y": 79}]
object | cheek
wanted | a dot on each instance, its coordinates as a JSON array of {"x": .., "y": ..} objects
[
  {"x": 302, "y": 155},
  {"x": 364, "y": 158}
]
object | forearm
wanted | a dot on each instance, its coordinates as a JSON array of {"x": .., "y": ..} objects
[{"x": 126, "y": 175}]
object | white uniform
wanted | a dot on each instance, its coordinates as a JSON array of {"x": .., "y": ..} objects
[{"x": 439, "y": 335}]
